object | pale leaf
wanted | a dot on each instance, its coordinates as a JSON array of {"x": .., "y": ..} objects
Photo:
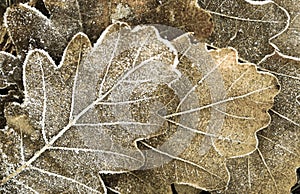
[
  {"x": 223, "y": 104},
  {"x": 272, "y": 167},
  {"x": 84, "y": 116}
]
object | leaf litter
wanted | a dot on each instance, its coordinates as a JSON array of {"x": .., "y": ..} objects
[
  {"x": 29, "y": 26},
  {"x": 283, "y": 119},
  {"x": 30, "y": 29},
  {"x": 272, "y": 167},
  {"x": 247, "y": 27},
  {"x": 56, "y": 132},
  {"x": 62, "y": 114},
  {"x": 191, "y": 165}
]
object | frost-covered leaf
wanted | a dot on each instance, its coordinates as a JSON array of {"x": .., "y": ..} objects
[
  {"x": 231, "y": 86},
  {"x": 84, "y": 116},
  {"x": 10, "y": 70},
  {"x": 72, "y": 16},
  {"x": 288, "y": 42},
  {"x": 223, "y": 104},
  {"x": 272, "y": 167},
  {"x": 84, "y": 15},
  {"x": 30, "y": 29},
  {"x": 5, "y": 41},
  {"x": 246, "y": 27},
  {"x": 10, "y": 82}
]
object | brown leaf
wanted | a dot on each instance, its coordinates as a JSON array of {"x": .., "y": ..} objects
[
  {"x": 5, "y": 41},
  {"x": 272, "y": 167},
  {"x": 185, "y": 15},
  {"x": 288, "y": 42},
  {"x": 72, "y": 16},
  {"x": 208, "y": 173},
  {"x": 84, "y": 116},
  {"x": 10, "y": 82},
  {"x": 221, "y": 129},
  {"x": 246, "y": 27},
  {"x": 30, "y": 29},
  {"x": 27, "y": 124}
]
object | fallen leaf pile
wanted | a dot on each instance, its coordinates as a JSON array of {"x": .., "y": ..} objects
[{"x": 149, "y": 96}]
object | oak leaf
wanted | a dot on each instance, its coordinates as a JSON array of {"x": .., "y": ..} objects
[
  {"x": 221, "y": 129},
  {"x": 248, "y": 27},
  {"x": 84, "y": 116},
  {"x": 272, "y": 167},
  {"x": 30, "y": 29},
  {"x": 276, "y": 167},
  {"x": 288, "y": 43}
]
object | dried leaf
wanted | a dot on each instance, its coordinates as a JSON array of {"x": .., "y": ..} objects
[
  {"x": 232, "y": 76},
  {"x": 10, "y": 70},
  {"x": 72, "y": 16},
  {"x": 185, "y": 15},
  {"x": 288, "y": 42},
  {"x": 246, "y": 27},
  {"x": 250, "y": 174},
  {"x": 30, "y": 29},
  {"x": 190, "y": 133},
  {"x": 84, "y": 116},
  {"x": 10, "y": 82},
  {"x": 272, "y": 167},
  {"x": 11, "y": 85},
  {"x": 5, "y": 41},
  {"x": 216, "y": 126}
]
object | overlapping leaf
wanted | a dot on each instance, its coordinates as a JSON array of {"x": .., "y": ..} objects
[
  {"x": 268, "y": 171},
  {"x": 11, "y": 67},
  {"x": 246, "y": 27},
  {"x": 288, "y": 42},
  {"x": 220, "y": 130},
  {"x": 83, "y": 117},
  {"x": 272, "y": 167},
  {"x": 185, "y": 15},
  {"x": 10, "y": 82},
  {"x": 5, "y": 42},
  {"x": 31, "y": 29},
  {"x": 250, "y": 28}
]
